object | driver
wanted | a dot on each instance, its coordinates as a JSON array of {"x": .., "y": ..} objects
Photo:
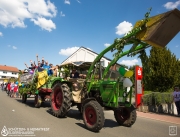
[{"x": 74, "y": 74}]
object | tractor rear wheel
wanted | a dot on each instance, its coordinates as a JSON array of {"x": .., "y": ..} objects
[
  {"x": 37, "y": 101},
  {"x": 93, "y": 116},
  {"x": 60, "y": 99},
  {"x": 24, "y": 98},
  {"x": 125, "y": 117}
]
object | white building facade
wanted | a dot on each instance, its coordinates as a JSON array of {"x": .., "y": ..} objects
[{"x": 7, "y": 72}]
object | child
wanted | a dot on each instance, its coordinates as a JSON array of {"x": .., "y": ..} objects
[
  {"x": 12, "y": 89},
  {"x": 15, "y": 90}
]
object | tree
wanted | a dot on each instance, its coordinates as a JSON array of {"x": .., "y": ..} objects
[
  {"x": 163, "y": 68},
  {"x": 132, "y": 68}
]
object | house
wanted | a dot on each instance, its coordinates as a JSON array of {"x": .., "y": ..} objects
[
  {"x": 7, "y": 72},
  {"x": 86, "y": 55}
]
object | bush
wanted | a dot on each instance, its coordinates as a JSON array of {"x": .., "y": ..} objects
[{"x": 157, "y": 98}]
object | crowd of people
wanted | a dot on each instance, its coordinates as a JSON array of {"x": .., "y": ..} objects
[
  {"x": 43, "y": 65},
  {"x": 11, "y": 88}
]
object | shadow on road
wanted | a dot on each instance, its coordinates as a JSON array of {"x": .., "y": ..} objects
[
  {"x": 75, "y": 114},
  {"x": 30, "y": 103}
]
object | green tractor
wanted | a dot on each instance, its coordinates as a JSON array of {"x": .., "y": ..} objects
[
  {"x": 107, "y": 88},
  {"x": 104, "y": 87}
]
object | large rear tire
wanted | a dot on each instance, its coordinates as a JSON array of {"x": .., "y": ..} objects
[
  {"x": 125, "y": 116},
  {"x": 60, "y": 99},
  {"x": 93, "y": 116}
]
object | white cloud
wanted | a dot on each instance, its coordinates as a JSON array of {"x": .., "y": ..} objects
[
  {"x": 67, "y": 2},
  {"x": 15, "y": 12},
  {"x": 44, "y": 23},
  {"x": 78, "y": 1},
  {"x": 123, "y": 28},
  {"x": 172, "y": 5},
  {"x": 129, "y": 62},
  {"x": 1, "y": 34},
  {"x": 14, "y": 47},
  {"x": 177, "y": 46},
  {"x": 107, "y": 44},
  {"x": 68, "y": 51},
  {"x": 61, "y": 14}
]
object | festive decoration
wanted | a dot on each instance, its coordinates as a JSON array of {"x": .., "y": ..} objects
[
  {"x": 122, "y": 71},
  {"x": 31, "y": 72},
  {"x": 128, "y": 74},
  {"x": 127, "y": 82}
]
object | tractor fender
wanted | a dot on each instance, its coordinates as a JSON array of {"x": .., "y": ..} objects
[
  {"x": 84, "y": 102},
  {"x": 131, "y": 108},
  {"x": 87, "y": 100}
]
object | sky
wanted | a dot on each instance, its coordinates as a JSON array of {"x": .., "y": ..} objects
[{"x": 54, "y": 29}]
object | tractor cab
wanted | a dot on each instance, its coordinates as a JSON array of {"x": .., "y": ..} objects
[{"x": 77, "y": 83}]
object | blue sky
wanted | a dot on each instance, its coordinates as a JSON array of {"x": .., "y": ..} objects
[{"x": 54, "y": 29}]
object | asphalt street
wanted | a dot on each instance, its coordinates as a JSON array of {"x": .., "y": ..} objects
[{"x": 14, "y": 114}]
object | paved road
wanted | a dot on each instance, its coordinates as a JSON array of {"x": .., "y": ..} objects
[{"x": 13, "y": 114}]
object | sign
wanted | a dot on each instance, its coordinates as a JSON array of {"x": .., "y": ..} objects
[
  {"x": 173, "y": 130},
  {"x": 138, "y": 73},
  {"x": 138, "y": 85},
  {"x": 21, "y": 131}
]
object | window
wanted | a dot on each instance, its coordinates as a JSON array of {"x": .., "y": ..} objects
[
  {"x": 3, "y": 76},
  {"x": 14, "y": 73},
  {"x": 4, "y": 72},
  {"x": 102, "y": 63}
]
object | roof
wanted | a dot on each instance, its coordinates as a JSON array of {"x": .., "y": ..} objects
[
  {"x": 90, "y": 51},
  {"x": 8, "y": 68}
]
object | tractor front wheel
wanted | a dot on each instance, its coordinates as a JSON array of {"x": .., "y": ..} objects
[
  {"x": 125, "y": 117},
  {"x": 60, "y": 99},
  {"x": 93, "y": 116},
  {"x": 37, "y": 101}
]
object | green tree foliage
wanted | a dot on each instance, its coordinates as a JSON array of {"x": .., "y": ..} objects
[
  {"x": 132, "y": 68},
  {"x": 164, "y": 70}
]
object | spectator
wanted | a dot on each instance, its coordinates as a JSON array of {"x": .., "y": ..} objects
[
  {"x": 12, "y": 89},
  {"x": 46, "y": 66},
  {"x": 176, "y": 97},
  {"x": 4, "y": 87},
  {"x": 42, "y": 63},
  {"x": 40, "y": 69},
  {"x": 33, "y": 66},
  {"x": 15, "y": 93},
  {"x": 74, "y": 74},
  {"x": 56, "y": 71},
  {"x": 9, "y": 87},
  {"x": 50, "y": 71}
]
